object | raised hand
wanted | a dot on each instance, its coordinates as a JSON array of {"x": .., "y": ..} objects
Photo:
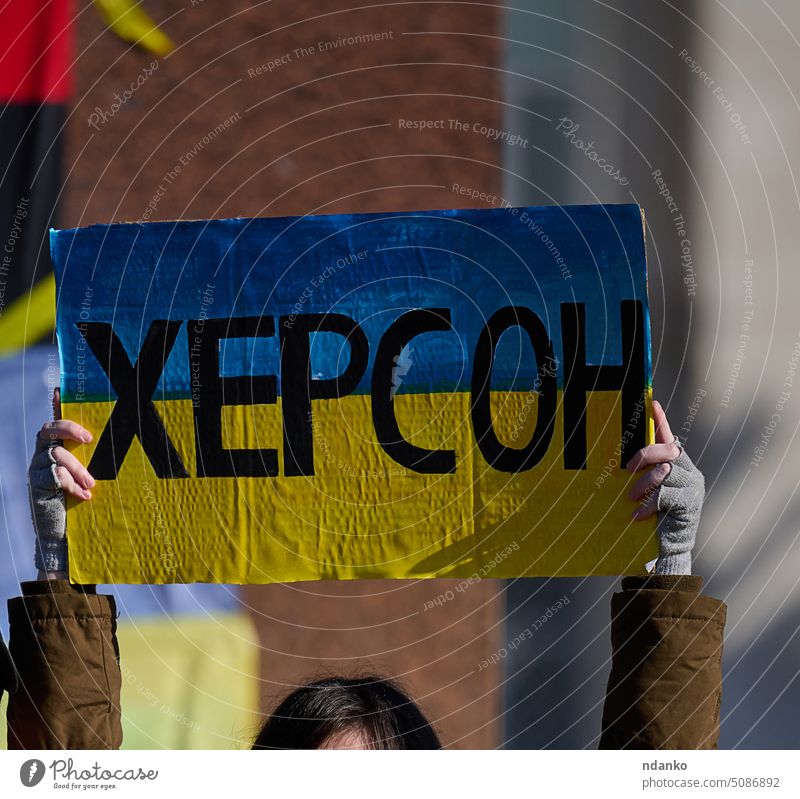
[
  {"x": 674, "y": 488},
  {"x": 53, "y": 471}
]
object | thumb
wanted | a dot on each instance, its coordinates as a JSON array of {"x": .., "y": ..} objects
[{"x": 663, "y": 431}]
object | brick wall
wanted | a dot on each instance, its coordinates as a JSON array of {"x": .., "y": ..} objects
[{"x": 250, "y": 116}]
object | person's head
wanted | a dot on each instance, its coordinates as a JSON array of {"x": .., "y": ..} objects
[{"x": 339, "y": 713}]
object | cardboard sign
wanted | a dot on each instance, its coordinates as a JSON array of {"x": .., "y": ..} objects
[{"x": 439, "y": 393}]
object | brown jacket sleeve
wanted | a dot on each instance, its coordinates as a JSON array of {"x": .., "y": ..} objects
[
  {"x": 666, "y": 679},
  {"x": 63, "y": 643}
]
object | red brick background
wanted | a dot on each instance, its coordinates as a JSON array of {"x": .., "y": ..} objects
[{"x": 319, "y": 132}]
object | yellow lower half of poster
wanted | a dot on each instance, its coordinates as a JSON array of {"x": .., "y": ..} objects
[{"x": 362, "y": 515}]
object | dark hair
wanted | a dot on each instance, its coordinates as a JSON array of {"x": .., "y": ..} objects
[{"x": 375, "y": 708}]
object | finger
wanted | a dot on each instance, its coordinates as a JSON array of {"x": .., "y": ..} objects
[
  {"x": 63, "y": 457},
  {"x": 650, "y": 481},
  {"x": 64, "y": 429},
  {"x": 69, "y": 485},
  {"x": 663, "y": 431},
  {"x": 649, "y": 456},
  {"x": 56, "y": 403},
  {"x": 646, "y": 509}
]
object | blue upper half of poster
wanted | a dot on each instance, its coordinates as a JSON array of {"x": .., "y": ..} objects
[{"x": 369, "y": 267}]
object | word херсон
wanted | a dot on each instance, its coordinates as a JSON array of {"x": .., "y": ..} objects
[{"x": 135, "y": 414}]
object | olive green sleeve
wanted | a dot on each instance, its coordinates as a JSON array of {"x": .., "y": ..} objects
[
  {"x": 665, "y": 686},
  {"x": 63, "y": 643}
]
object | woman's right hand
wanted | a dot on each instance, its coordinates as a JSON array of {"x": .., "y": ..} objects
[{"x": 53, "y": 471}]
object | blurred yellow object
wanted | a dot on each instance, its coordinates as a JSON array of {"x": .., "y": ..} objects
[
  {"x": 3, "y": 731},
  {"x": 189, "y": 682},
  {"x": 130, "y": 22},
  {"x": 29, "y": 318}
]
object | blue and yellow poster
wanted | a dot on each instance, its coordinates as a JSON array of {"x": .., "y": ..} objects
[{"x": 421, "y": 394}]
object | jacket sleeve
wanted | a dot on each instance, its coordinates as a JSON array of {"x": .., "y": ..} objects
[
  {"x": 8, "y": 674},
  {"x": 665, "y": 686},
  {"x": 63, "y": 643}
]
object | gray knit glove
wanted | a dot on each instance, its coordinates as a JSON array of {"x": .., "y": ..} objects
[
  {"x": 680, "y": 500},
  {"x": 48, "y": 509}
]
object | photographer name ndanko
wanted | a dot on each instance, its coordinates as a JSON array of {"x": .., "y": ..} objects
[
  {"x": 665, "y": 765},
  {"x": 65, "y": 771}
]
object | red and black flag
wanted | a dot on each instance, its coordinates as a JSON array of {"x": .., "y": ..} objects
[{"x": 35, "y": 85}]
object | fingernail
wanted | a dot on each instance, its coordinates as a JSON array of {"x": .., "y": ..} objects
[
  {"x": 89, "y": 481},
  {"x": 87, "y": 437},
  {"x": 87, "y": 494}
]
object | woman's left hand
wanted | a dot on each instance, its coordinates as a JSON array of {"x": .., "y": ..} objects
[{"x": 674, "y": 488}]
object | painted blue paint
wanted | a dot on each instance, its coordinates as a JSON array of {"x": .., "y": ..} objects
[{"x": 371, "y": 267}]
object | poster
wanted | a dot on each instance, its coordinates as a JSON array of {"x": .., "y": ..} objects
[{"x": 402, "y": 395}]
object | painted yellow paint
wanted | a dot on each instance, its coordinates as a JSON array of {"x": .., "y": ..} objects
[{"x": 362, "y": 515}]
